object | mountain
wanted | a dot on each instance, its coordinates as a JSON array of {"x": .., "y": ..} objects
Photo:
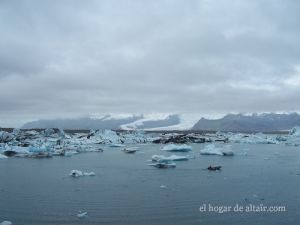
[
  {"x": 109, "y": 122},
  {"x": 250, "y": 123},
  {"x": 106, "y": 122}
]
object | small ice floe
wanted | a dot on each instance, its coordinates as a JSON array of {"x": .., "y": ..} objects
[
  {"x": 162, "y": 158},
  {"x": 214, "y": 168},
  {"x": 3, "y": 156},
  {"x": 78, "y": 173},
  {"x": 116, "y": 145},
  {"x": 211, "y": 149},
  {"x": 70, "y": 153},
  {"x": 163, "y": 165},
  {"x": 6, "y": 222},
  {"x": 163, "y": 186},
  {"x": 177, "y": 148},
  {"x": 82, "y": 215},
  {"x": 130, "y": 150}
]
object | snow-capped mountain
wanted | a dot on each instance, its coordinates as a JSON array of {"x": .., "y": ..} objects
[
  {"x": 162, "y": 121},
  {"x": 159, "y": 121}
]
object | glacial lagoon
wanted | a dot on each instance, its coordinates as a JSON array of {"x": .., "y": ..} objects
[{"x": 126, "y": 190}]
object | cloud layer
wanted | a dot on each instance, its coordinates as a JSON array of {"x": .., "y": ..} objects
[{"x": 69, "y": 58}]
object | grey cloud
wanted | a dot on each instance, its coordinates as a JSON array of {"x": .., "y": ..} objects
[{"x": 69, "y": 58}]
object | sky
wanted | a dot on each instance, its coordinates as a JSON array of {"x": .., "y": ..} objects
[{"x": 70, "y": 58}]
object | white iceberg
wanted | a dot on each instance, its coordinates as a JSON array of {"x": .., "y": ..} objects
[
  {"x": 162, "y": 158},
  {"x": 3, "y": 156},
  {"x": 78, "y": 173},
  {"x": 177, "y": 148},
  {"x": 116, "y": 145},
  {"x": 211, "y": 149},
  {"x": 82, "y": 215},
  {"x": 295, "y": 131},
  {"x": 293, "y": 138},
  {"x": 163, "y": 165},
  {"x": 258, "y": 138},
  {"x": 6, "y": 222}
]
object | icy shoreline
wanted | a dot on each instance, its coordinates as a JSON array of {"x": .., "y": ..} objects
[{"x": 53, "y": 142}]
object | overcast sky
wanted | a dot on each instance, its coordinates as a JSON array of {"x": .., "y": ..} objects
[{"x": 69, "y": 58}]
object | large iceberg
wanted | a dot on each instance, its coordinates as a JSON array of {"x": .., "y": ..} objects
[{"x": 177, "y": 148}]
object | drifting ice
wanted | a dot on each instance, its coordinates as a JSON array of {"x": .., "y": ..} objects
[
  {"x": 81, "y": 215},
  {"x": 6, "y": 223},
  {"x": 211, "y": 150},
  {"x": 161, "y": 158},
  {"x": 78, "y": 173},
  {"x": 177, "y": 148},
  {"x": 3, "y": 156}
]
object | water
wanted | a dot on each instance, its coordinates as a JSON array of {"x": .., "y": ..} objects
[{"x": 126, "y": 190}]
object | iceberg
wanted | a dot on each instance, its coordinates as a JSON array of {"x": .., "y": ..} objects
[
  {"x": 78, "y": 173},
  {"x": 293, "y": 138},
  {"x": 161, "y": 158},
  {"x": 82, "y": 215},
  {"x": 163, "y": 165},
  {"x": 6, "y": 222},
  {"x": 177, "y": 148},
  {"x": 116, "y": 145},
  {"x": 211, "y": 149},
  {"x": 258, "y": 138},
  {"x": 295, "y": 131},
  {"x": 130, "y": 150},
  {"x": 3, "y": 156}
]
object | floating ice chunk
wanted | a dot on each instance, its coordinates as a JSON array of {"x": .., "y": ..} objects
[
  {"x": 6, "y": 222},
  {"x": 163, "y": 165},
  {"x": 82, "y": 215},
  {"x": 177, "y": 148},
  {"x": 294, "y": 137},
  {"x": 78, "y": 173},
  {"x": 89, "y": 174},
  {"x": 295, "y": 131},
  {"x": 227, "y": 151},
  {"x": 258, "y": 138},
  {"x": 130, "y": 150},
  {"x": 3, "y": 156},
  {"x": 116, "y": 145},
  {"x": 163, "y": 186},
  {"x": 211, "y": 150},
  {"x": 161, "y": 158},
  {"x": 70, "y": 153}
]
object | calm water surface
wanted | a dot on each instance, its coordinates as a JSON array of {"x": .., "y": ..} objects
[{"x": 126, "y": 190}]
